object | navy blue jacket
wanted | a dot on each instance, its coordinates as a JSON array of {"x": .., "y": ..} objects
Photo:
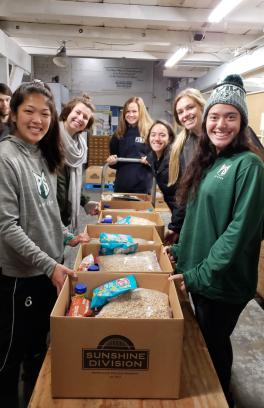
[{"x": 131, "y": 177}]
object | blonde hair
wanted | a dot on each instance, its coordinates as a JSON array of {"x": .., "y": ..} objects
[
  {"x": 144, "y": 119},
  {"x": 177, "y": 147}
]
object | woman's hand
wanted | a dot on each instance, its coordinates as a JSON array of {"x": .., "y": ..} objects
[
  {"x": 144, "y": 160},
  {"x": 92, "y": 208},
  {"x": 59, "y": 275},
  {"x": 171, "y": 237},
  {"x": 167, "y": 250},
  {"x": 179, "y": 280},
  {"x": 82, "y": 238},
  {"x": 111, "y": 160}
]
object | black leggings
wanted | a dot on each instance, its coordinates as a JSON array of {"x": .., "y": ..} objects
[
  {"x": 217, "y": 321},
  {"x": 25, "y": 306}
]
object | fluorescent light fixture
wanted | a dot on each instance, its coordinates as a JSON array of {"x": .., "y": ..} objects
[
  {"x": 223, "y": 8},
  {"x": 179, "y": 54}
]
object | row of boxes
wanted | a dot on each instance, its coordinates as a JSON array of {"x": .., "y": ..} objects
[{"x": 118, "y": 358}]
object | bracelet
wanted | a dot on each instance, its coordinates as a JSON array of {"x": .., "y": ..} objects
[{"x": 68, "y": 238}]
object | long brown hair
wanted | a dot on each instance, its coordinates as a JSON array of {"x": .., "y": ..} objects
[
  {"x": 50, "y": 144},
  {"x": 206, "y": 156},
  {"x": 174, "y": 164},
  {"x": 144, "y": 119},
  {"x": 85, "y": 100}
]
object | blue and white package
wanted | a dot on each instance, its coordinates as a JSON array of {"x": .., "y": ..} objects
[
  {"x": 103, "y": 293},
  {"x": 124, "y": 221},
  {"x": 116, "y": 244}
]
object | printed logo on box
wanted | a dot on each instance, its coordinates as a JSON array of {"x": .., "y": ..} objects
[{"x": 115, "y": 353}]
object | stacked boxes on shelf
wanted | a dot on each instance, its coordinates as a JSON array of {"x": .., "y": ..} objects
[{"x": 98, "y": 150}]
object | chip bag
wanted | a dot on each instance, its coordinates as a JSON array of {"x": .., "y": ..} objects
[
  {"x": 117, "y": 244},
  {"x": 103, "y": 293}
]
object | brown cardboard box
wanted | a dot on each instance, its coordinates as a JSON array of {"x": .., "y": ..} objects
[
  {"x": 120, "y": 196},
  {"x": 147, "y": 232},
  {"x": 94, "y": 175},
  {"x": 127, "y": 205},
  {"x": 162, "y": 257},
  {"x": 152, "y": 216},
  {"x": 116, "y": 358}
]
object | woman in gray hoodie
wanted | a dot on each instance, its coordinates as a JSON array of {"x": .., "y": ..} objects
[{"x": 32, "y": 236}]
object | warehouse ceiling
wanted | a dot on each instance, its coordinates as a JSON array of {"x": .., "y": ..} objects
[{"x": 136, "y": 29}]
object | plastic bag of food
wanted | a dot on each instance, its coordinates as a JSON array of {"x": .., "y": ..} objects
[
  {"x": 86, "y": 262},
  {"x": 145, "y": 261},
  {"x": 120, "y": 238},
  {"x": 117, "y": 244},
  {"x": 132, "y": 220},
  {"x": 79, "y": 307},
  {"x": 138, "y": 304},
  {"x": 108, "y": 290}
]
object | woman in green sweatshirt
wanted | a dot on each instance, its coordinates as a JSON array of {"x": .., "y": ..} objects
[{"x": 218, "y": 250}]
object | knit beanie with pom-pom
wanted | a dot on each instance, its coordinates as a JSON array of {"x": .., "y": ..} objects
[{"x": 229, "y": 92}]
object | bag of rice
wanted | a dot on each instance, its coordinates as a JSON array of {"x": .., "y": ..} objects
[{"x": 138, "y": 304}]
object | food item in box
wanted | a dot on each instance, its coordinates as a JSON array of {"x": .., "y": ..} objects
[
  {"x": 79, "y": 307},
  {"x": 107, "y": 219},
  {"x": 140, "y": 241},
  {"x": 140, "y": 303},
  {"x": 143, "y": 241},
  {"x": 132, "y": 220},
  {"x": 108, "y": 290},
  {"x": 117, "y": 244},
  {"x": 88, "y": 264},
  {"x": 111, "y": 237},
  {"x": 145, "y": 261}
]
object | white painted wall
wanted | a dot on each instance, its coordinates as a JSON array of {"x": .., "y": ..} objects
[{"x": 110, "y": 81}]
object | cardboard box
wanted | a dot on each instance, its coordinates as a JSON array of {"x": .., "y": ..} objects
[
  {"x": 122, "y": 196},
  {"x": 147, "y": 232},
  {"x": 152, "y": 216},
  {"x": 94, "y": 175},
  {"x": 116, "y": 358},
  {"x": 127, "y": 205},
  {"x": 162, "y": 257}
]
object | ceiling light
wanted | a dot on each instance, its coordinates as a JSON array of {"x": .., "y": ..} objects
[
  {"x": 223, "y": 8},
  {"x": 61, "y": 59},
  {"x": 179, "y": 54}
]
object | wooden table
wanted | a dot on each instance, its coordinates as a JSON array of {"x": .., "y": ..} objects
[{"x": 200, "y": 387}]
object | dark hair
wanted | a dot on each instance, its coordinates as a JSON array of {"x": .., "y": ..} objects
[
  {"x": 5, "y": 90},
  {"x": 169, "y": 128},
  {"x": 50, "y": 144},
  {"x": 86, "y": 100},
  {"x": 205, "y": 157}
]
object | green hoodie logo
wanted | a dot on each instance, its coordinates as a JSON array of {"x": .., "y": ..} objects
[
  {"x": 222, "y": 171},
  {"x": 42, "y": 185}
]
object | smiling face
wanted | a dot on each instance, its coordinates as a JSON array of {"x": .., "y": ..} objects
[
  {"x": 159, "y": 139},
  {"x": 32, "y": 119},
  {"x": 132, "y": 114},
  {"x": 189, "y": 113},
  {"x": 78, "y": 119},
  {"x": 222, "y": 125},
  {"x": 4, "y": 107}
]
